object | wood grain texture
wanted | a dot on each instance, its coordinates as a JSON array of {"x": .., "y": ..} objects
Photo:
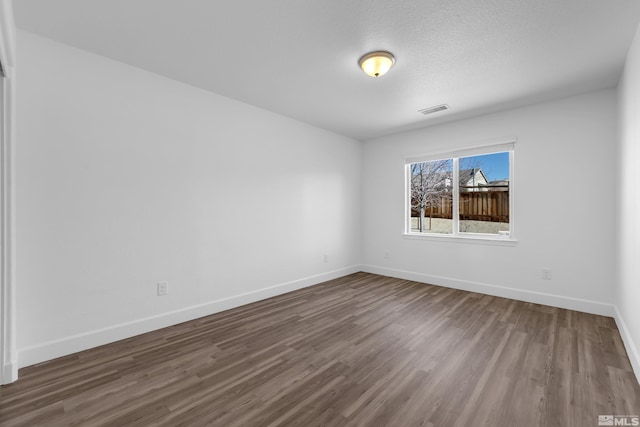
[{"x": 362, "y": 350}]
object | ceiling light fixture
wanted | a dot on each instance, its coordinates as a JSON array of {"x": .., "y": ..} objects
[{"x": 377, "y": 63}]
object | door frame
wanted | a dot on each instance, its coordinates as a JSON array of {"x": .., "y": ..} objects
[{"x": 8, "y": 349}]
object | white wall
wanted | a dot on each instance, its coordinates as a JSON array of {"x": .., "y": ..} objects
[
  {"x": 560, "y": 222},
  {"x": 628, "y": 296},
  {"x": 126, "y": 178}
]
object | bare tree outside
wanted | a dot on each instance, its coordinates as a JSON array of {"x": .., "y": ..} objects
[{"x": 430, "y": 184}]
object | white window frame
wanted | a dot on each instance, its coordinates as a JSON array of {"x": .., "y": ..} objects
[{"x": 496, "y": 146}]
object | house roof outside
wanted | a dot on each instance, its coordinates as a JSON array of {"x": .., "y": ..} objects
[{"x": 466, "y": 177}]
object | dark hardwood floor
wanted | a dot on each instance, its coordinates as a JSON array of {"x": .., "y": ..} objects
[{"x": 361, "y": 350}]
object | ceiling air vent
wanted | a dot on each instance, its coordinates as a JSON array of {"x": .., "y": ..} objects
[{"x": 431, "y": 110}]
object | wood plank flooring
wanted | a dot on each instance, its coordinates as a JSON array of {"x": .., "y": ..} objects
[{"x": 362, "y": 350}]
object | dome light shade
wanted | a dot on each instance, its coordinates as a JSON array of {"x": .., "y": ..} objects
[{"x": 377, "y": 63}]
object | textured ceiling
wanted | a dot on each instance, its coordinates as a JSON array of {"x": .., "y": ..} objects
[{"x": 299, "y": 57}]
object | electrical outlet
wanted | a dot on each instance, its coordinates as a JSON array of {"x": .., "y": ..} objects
[
  {"x": 546, "y": 274},
  {"x": 163, "y": 288},
  {"x": 326, "y": 258}
]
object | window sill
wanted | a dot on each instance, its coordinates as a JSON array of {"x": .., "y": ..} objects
[{"x": 475, "y": 239}]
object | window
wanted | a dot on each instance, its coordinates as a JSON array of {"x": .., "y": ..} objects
[{"x": 466, "y": 193}]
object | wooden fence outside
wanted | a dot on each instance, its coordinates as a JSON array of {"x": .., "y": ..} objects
[{"x": 492, "y": 206}]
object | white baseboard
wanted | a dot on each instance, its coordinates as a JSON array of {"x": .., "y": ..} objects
[
  {"x": 72, "y": 344},
  {"x": 630, "y": 346},
  {"x": 559, "y": 301},
  {"x": 9, "y": 373}
]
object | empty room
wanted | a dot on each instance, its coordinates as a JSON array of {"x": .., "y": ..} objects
[{"x": 319, "y": 213}]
